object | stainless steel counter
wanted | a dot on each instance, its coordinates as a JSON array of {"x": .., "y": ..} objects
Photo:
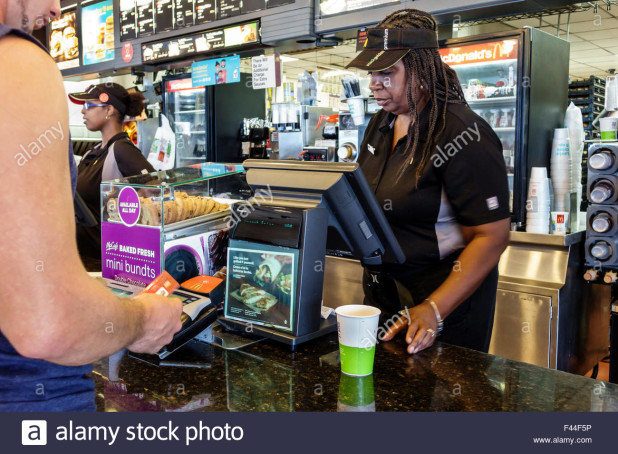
[{"x": 546, "y": 314}]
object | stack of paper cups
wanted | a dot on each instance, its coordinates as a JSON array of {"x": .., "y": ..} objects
[
  {"x": 538, "y": 204},
  {"x": 561, "y": 168}
]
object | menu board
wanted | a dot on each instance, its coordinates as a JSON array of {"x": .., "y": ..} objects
[
  {"x": 128, "y": 29},
  {"x": 330, "y": 7},
  {"x": 98, "y": 32},
  {"x": 164, "y": 15},
  {"x": 63, "y": 42},
  {"x": 228, "y": 8},
  {"x": 204, "y": 11},
  {"x": 183, "y": 15},
  {"x": 273, "y": 3},
  {"x": 241, "y": 34},
  {"x": 145, "y": 18},
  {"x": 203, "y": 42},
  {"x": 210, "y": 41},
  {"x": 249, "y": 6}
]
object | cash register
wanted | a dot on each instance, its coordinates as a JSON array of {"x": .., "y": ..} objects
[{"x": 277, "y": 247}]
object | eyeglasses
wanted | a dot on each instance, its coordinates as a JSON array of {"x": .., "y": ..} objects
[{"x": 90, "y": 105}]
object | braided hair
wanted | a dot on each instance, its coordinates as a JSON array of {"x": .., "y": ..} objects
[{"x": 436, "y": 77}]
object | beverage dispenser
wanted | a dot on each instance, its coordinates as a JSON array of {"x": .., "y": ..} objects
[{"x": 602, "y": 215}]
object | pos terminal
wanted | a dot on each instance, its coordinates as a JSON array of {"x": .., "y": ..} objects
[{"x": 277, "y": 245}]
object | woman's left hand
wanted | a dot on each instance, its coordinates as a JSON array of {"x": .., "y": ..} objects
[{"x": 422, "y": 327}]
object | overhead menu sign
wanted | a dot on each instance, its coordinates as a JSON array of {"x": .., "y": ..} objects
[
  {"x": 273, "y": 3},
  {"x": 222, "y": 38},
  {"x": 164, "y": 15},
  {"x": 145, "y": 18},
  {"x": 63, "y": 42},
  {"x": 248, "y": 6},
  {"x": 98, "y": 32},
  {"x": 204, "y": 11},
  {"x": 242, "y": 34},
  {"x": 183, "y": 13},
  {"x": 228, "y": 8},
  {"x": 128, "y": 17},
  {"x": 330, "y": 7}
]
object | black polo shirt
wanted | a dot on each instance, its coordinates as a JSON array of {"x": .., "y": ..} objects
[
  {"x": 464, "y": 184},
  {"x": 130, "y": 162}
]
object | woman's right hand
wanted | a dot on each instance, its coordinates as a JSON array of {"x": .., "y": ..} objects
[{"x": 399, "y": 325}]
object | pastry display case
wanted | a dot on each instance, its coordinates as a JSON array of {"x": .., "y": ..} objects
[{"x": 175, "y": 220}]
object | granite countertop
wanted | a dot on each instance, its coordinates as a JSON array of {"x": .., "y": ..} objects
[{"x": 267, "y": 376}]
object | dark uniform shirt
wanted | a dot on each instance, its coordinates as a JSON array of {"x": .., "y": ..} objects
[
  {"x": 130, "y": 162},
  {"x": 464, "y": 184}
]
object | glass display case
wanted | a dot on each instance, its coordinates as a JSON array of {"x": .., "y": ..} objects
[{"x": 175, "y": 220}]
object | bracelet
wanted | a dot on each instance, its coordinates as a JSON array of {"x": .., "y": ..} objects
[{"x": 438, "y": 318}]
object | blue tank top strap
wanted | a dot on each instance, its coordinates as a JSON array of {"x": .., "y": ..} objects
[{"x": 34, "y": 385}]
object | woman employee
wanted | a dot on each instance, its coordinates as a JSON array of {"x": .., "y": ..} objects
[
  {"x": 105, "y": 107},
  {"x": 437, "y": 169}
]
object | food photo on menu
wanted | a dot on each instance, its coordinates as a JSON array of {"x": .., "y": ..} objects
[
  {"x": 63, "y": 42},
  {"x": 98, "y": 32},
  {"x": 261, "y": 285}
]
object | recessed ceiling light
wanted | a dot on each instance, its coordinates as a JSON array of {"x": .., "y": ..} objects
[{"x": 285, "y": 58}]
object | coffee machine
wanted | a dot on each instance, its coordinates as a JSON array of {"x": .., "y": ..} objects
[
  {"x": 292, "y": 137},
  {"x": 350, "y": 137}
]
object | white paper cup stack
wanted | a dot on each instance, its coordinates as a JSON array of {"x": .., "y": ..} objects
[
  {"x": 561, "y": 168},
  {"x": 538, "y": 203}
]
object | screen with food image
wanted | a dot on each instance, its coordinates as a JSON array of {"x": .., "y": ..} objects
[
  {"x": 63, "y": 42},
  {"x": 241, "y": 34},
  {"x": 98, "y": 32},
  {"x": 261, "y": 284}
]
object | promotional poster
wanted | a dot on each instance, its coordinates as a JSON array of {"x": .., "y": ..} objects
[
  {"x": 63, "y": 41},
  {"x": 261, "y": 285},
  {"x": 98, "y": 32},
  {"x": 216, "y": 71}
]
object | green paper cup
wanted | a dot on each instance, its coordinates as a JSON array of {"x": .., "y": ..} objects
[
  {"x": 356, "y": 394},
  {"x": 357, "y": 326},
  {"x": 608, "y": 128}
]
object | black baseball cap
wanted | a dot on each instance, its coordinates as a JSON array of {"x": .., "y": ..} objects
[
  {"x": 108, "y": 93},
  {"x": 386, "y": 46}
]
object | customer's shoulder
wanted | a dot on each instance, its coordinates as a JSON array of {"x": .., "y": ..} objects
[{"x": 14, "y": 49}]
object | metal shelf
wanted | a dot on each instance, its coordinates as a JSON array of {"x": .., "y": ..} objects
[
  {"x": 176, "y": 112},
  {"x": 492, "y": 100},
  {"x": 507, "y": 129}
]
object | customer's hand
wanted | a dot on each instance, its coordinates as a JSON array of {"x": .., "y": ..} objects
[
  {"x": 160, "y": 321},
  {"x": 422, "y": 327}
]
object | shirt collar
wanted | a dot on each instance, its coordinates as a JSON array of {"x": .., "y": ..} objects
[{"x": 388, "y": 122}]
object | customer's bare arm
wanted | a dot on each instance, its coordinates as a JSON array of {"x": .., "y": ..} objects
[{"x": 50, "y": 308}]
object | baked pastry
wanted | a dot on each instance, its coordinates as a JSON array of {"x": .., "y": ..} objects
[
  {"x": 112, "y": 210},
  {"x": 149, "y": 212},
  {"x": 181, "y": 203},
  {"x": 210, "y": 206}
]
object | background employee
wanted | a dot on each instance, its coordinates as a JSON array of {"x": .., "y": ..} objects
[{"x": 105, "y": 107}]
